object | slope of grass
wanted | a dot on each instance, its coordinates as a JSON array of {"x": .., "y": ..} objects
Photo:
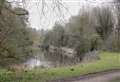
[{"x": 108, "y": 61}]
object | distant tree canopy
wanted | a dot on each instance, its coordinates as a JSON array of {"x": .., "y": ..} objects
[
  {"x": 15, "y": 41},
  {"x": 93, "y": 29},
  {"x": 56, "y": 36}
]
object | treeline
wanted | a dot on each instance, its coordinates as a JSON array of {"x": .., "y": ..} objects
[{"x": 96, "y": 28}]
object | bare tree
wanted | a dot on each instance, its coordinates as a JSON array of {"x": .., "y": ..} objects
[
  {"x": 104, "y": 22},
  {"x": 117, "y": 29}
]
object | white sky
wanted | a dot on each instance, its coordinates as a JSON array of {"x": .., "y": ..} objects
[{"x": 46, "y": 22}]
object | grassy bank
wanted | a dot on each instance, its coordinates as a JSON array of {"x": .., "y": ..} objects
[{"x": 108, "y": 61}]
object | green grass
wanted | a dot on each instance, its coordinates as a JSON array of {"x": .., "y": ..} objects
[{"x": 108, "y": 61}]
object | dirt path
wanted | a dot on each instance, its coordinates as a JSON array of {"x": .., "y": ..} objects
[{"x": 98, "y": 77}]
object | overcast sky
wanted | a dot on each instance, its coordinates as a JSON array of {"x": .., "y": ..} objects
[{"x": 38, "y": 21}]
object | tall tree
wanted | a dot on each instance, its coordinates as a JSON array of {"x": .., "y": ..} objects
[
  {"x": 104, "y": 22},
  {"x": 15, "y": 42}
]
